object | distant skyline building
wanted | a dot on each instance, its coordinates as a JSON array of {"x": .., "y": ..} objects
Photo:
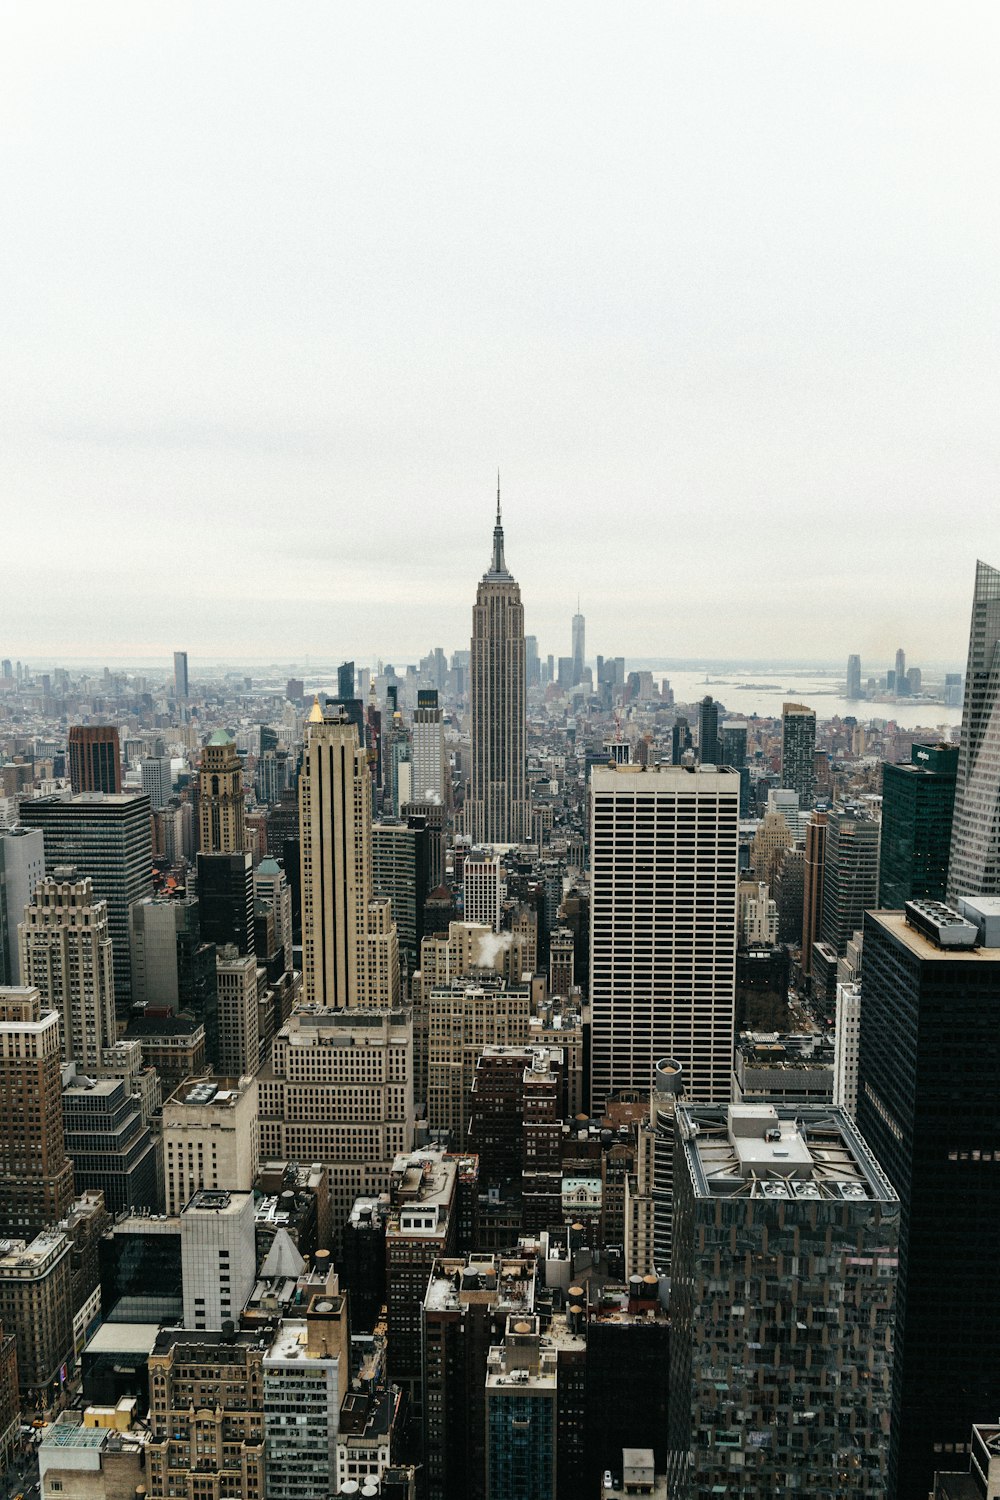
[
  {"x": 497, "y": 808},
  {"x": 900, "y": 667},
  {"x": 95, "y": 761},
  {"x": 974, "y": 865},
  {"x": 579, "y": 647},
  {"x": 798, "y": 750},
  {"x": 181, "y": 690},
  {"x": 221, "y": 805},
  {"x": 664, "y": 873},
  {"x": 853, "y": 678},
  {"x": 709, "y": 744}
]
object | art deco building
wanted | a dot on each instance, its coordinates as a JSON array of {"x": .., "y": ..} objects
[
  {"x": 210, "y": 1138},
  {"x": 497, "y": 808},
  {"x": 220, "y": 797},
  {"x": 664, "y": 849},
  {"x": 66, "y": 953},
  {"x": 974, "y": 867},
  {"x": 36, "y": 1175},
  {"x": 349, "y": 940}
]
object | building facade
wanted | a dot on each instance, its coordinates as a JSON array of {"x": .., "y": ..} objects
[{"x": 66, "y": 954}]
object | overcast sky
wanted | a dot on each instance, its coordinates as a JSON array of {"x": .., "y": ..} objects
[{"x": 715, "y": 285}]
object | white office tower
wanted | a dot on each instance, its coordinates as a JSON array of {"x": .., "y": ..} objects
[
  {"x": 664, "y": 877},
  {"x": 350, "y": 949},
  {"x": 218, "y": 1257},
  {"x": 270, "y": 885},
  {"x": 482, "y": 887},
  {"x": 210, "y": 1138},
  {"x": 845, "y": 1046},
  {"x": 428, "y": 762},
  {"x": 65, "y": 951},
  {"x": 157, "y": 777},
  {"x": 974, "y": 863},
  {"x": 240, "y": 984}
]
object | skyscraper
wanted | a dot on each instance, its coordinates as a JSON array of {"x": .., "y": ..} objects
[
  {"x": 95, "y": 762},
  {"x": 798, "y": 748},
  {"x": 428, "y": 775},
  {"x": 917, "y": 804},
  {"x": 181, "y": 682},
  {"x": 664, "y": 853},
  {"x": 22, "y": 866},
  {"x": 900, "y": 667},
  {"x": 853, "y": 678},
  {"x": 497, "y": 807},
  {"x": 709, "y": 745},
  {"x": 220, "y": 797},
  {"x": 350, "y": 952},
  {"x": 579, "y": 647},
  {"x": 850, "y": 877},
  {"x": 974, "y": 866},
  {"x": 785, "y": 1238},
  {"x": 345, "y": 681},
  {"x": 108, "y": 838},
  {"x": 157, "y": 780},
  {"x": 927, "y": 1104},
  {"x": 36, "y": 1176},
  {"x": 813, "y": 879},
  {"x": 66, "y": 953}
]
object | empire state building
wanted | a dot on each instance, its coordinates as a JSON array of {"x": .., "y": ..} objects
[{"x": 497, "y": 809}]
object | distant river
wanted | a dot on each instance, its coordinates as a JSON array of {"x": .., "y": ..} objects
[{"x": 766, "y": 691}]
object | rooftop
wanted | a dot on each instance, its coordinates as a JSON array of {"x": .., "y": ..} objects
[
  {"x": 779, "y": 1151},
  {"x": 895, "y": 923}
]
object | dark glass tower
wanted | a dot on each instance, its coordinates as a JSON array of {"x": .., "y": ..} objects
[
  {"x": 798, "y": 751},
  {"x": 929, "y": 1058},
  {"x": 917, "y": 804},
  {"x": 709, "y": 746},
  {"x": 225, "y": 900},
  {"x": 975, "y": 840},
  {"x": 95, "y": 762}
]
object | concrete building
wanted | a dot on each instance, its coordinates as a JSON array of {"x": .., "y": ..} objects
[
  {"x": 95, "y": 762},
  {"x": 36, "y": 1175},
  {"x": 466, "y": 1306},
  {"x": 157, "y": 776},
  {"x": 756, "y": 1185},
  {"x": 429, "y": 776},
  {"x": 497, "y": 810},
  {"x": 111, "y": 1146},
  {"x": 814, "y": 874},
  {"x": 846, "y": 1045},
  {"x": 271, "y": 887},
  {"x": 36, "y": 1305},
  {"x": 758, "y": 915},
  {"x": 709, "y": 745},
  {"x": 218, "y": 1256},
  {"x": 399, "y": 876},
  {"x": 66, "y": 954},
  {"x": 850, "y": 878},
  {"x": 853, "y": 678},
  {"x": 522, "y": 1392},
  {"x": 206, "y": 1414},
  {"x": 307, "y": 1375},
  {"x": 781, "y": 1069},
  {"x": 422, "y": 1226},
  {"x": 338, "y": 1089},
  {"x": 10, "y": 1400},
  {"x": 173, "y": 967},
  {"x": 221, "y": 803},
  {"x": 210, "y": 1138},
  {"x": 239, "y": 984},
  {"x": 107, "y": 838},
  {"x": 22, "y": 866},
  {"x": 483, "y": 888},
  {"x": 350, "y": 945},
  {"x": 463, "y": 1018},
  {"x": 93, "y": 1455},
  {"x": 664, "y": 853}
]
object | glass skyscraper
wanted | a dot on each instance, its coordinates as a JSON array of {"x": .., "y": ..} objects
[{"x": 974, "y": 868}]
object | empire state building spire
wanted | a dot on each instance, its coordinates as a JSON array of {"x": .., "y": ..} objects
[
  {"x": 496, "y": 811},
  {"x": 499, "y": 568}
]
